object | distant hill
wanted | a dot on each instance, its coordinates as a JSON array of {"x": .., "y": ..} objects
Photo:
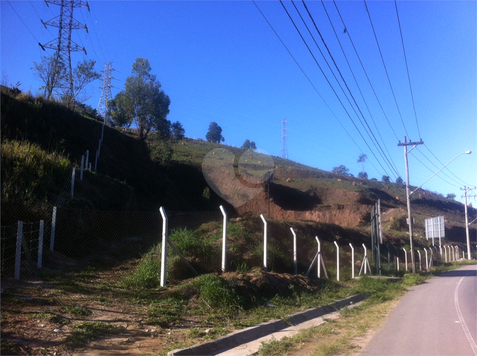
[{"x": 144, "y": 175}]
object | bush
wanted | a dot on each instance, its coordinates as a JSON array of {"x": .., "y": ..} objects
[
  {"x": 147, "y": 274},
  {"x": 216, "y": 292},
  {"x": 30, "y": 173}
]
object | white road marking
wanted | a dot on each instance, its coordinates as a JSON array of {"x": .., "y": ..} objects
[{"x": 467, "y": 333}]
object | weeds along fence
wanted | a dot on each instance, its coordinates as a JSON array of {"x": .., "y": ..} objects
[{"x": 71, "y": 239}]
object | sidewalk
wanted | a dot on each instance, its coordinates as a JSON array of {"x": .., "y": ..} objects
[{"x": 248, "y": 341}]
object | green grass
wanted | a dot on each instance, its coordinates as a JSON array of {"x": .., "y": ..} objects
[
  {"x": 85, "y": 332},
  {"x": 29, "y": 172}
]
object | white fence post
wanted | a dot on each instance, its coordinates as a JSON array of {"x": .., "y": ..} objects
[
  {"x": 82, "y": 167},
  {"x": 318, "y": 267},
  {"x": 405, "y": 257},
  {"x": 445, "y": 253},
  {"x": 420, "y": 264},
  {"x": 164, "y": 247},
  {"x": 53, "y": 230},
  {"x": 264, "y": 241},
  {"x": 295, "y": 264},
  {"x": 18, "y": 252},
  {"x": 224, "y": 239},
  {"x": 96, "y": 161},
  {"x": 73, "y": 181},
  {"x": 337, "y": 261},
  {"x": 40, "y": 244},
  {"x": 87, "y": 159},
  {"x": 352, "y": 260},
  {"x": 427, "y": 261}
]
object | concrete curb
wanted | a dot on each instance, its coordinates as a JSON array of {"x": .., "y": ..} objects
[{"x": 243, "y": 336}]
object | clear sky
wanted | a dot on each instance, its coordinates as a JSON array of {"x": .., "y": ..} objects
[{"x": 221, "y": 61}]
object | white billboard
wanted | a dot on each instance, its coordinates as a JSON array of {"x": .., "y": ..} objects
[{"x": 435, "y": 229}]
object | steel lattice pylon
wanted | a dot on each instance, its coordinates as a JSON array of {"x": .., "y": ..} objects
[
  {"x": 64, "y": 45},
  {"x": 284, "y": 153},
  {"x": 106, "y": 92}
]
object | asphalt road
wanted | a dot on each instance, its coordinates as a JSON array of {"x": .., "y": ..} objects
[{"x": 438, "y": 317}]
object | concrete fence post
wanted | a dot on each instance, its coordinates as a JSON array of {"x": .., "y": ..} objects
[
  {"x": 420, "y": 264},
  {"x": 87, "y": 159},
  {"x": 352, "y": 260},
  {"x": 164, "y": 247},
  {"x": 82, "y": 167},
  {"x": 445, "y": 253},
  {"x": 265, "y": 236},
  {"x": 295, "y": 264},
  {"x": 18, "y": 251},
  {"x": 53, "y": 230},
  {"x": 96, "y": 161},
  {"x": 405, "y": 257},
  {"x": 40, "y": 244},
  {"x": 427, "y": 261},
  {"x": 224, "y": 239},
  {"x": 318, "y": 267},
  {"x": 337, "y": 261},
  {"x": 365, "y": 257},
  {"x": 73, "y": 174}
]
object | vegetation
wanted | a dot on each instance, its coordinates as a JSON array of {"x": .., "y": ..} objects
[
  {"x": 249, "y": 145},
  {"x": 341, "y": 170},
  {"x": 215, "y": 133},
  {"x": 142, "y": 102}
]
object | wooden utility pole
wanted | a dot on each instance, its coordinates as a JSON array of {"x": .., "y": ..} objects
[{"x": 409, "y": 215}]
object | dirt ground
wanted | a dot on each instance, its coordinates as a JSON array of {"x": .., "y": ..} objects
[
  {"x": 36, "y": 321},
  {"x": 41, "y": 319}
]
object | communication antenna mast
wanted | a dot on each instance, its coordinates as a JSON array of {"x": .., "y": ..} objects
[
  {"x": 106, "y": 92},
  {"x": 64, "y": 45},
  {"x": 284, "y": 139}
]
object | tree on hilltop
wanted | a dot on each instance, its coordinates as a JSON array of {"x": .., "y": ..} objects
[
  {"x": 215, "y": 133},
  {"x": 341, "y": 170},
  {"x": 177, "y": 130},
  {"x": 249, "y": 145},
  {"x": 142, "y": 102}
]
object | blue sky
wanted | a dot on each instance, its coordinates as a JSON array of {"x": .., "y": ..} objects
[{"x": 221, "y": 61}]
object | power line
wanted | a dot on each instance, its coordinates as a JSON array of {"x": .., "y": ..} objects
[
  {"x": 407, "y": 69},
  {"x": 331, "y": 86},
  {"x": 370, "y": 132},
  {"x": 432, "y": 171},
  {"x": 447, "y": 168},
  {"x": 306, "y": 76},
  {"x": 23, "y": 22},
  {"x": 385, "y": 68}
]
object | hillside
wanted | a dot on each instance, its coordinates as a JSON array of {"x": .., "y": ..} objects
[{"x": 144, "y": 175}]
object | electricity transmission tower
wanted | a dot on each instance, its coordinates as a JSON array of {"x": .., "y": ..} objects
[
  {"x": 64, "y": 45},
  {"x": 106, "y": 92},
  {"x": 284, "y": 153}
]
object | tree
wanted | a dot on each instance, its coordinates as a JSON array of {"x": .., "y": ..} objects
[
  {"x": 117, "y": 111},
  {"x": 83, "y": 74},
  {"x": 451, "y": 196},
  {"x": 177, "y": 130},
  {"x": 399, "y": 180},
  {"x": 215, "y": 133},
  {"x": 50, "y": 73},
  {"x": 363, "y": 175},
  {"x": 341, "y": 170},
  {"x": 386, "y": 179},
  {"x": 249, "y": 145},
  {"x": 54, "y": 76},
  {"x": 361, "y": 159},
  {"x": 142, "y": 102}
]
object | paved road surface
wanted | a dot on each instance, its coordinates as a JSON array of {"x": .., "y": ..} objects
[{"x": 438, "y": 317}]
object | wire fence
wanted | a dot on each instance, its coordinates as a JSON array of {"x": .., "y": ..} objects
[{"x": 73, "y": 239}]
